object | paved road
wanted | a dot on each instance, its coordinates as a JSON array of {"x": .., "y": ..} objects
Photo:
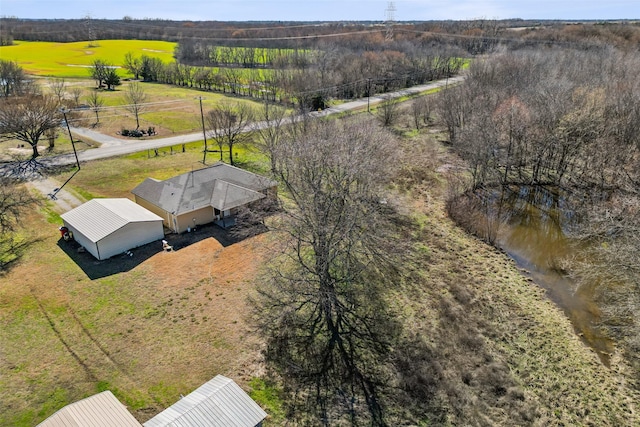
[{"x": 112, "y": 146}]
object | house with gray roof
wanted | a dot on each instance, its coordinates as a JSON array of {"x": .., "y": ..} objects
[
  {"x": 211, "y": 194},
  {"x": 108, "y": 227}
]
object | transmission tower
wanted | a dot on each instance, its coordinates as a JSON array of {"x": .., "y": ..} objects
[
  {"x": 91, "y": 37},
  {"x": 391, "y": 9}
]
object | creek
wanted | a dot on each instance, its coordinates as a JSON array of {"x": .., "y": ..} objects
[{"x": 531, "y": 228}]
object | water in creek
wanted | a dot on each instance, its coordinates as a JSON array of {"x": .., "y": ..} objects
[{"x": 532, "y": 234}]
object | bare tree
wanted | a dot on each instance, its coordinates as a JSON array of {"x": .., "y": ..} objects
[
  {"x": 28, "y": 118},
  {"x": 228, "y": 126},
  {"x": 270, "y": 130},
  {"x": 58, "y": 87},
  {"x": 76, "y": 94},
  {"x": 133, "y": 64},
  {"x": 388, "y": 111},
  {"x": 420, "y": 111},
  {"x": 96, "y": 102},
  {"x": 135, "y": 97},
  {"x": 328, "y": 331}
]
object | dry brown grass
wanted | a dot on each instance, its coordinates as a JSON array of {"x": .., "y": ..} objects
[{"x": 501, "y": 353}]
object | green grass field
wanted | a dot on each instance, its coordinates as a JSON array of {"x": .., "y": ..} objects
[{"x": 70, "y": 60}]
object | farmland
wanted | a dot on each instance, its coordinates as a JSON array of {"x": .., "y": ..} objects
[{"x": 70, "y": 60}]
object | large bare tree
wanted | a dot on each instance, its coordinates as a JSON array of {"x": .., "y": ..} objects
[
  {"x": 28, "y": 118},
  {"x": 328, "y": 330},
  {"x": 228, "y": 126}
]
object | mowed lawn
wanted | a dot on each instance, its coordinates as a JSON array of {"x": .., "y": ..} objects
[
  {"x": 72, "y": 59},
  {"x": 171, "y": 110}
]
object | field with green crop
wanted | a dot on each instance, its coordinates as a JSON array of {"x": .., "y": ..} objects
[{"x": 71, "y": 60}]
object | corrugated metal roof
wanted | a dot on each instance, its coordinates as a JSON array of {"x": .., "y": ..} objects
[
  {"x": 202, "y": 187},
  {"x": 218, "y": 403},
  {"x": 98, "y": 218},
  {"x": 100, "y": 410}
]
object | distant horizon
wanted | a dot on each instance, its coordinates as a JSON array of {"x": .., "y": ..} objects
[
  {"x": 631, "y": 20},
  {"x": 324, "y": 10}
]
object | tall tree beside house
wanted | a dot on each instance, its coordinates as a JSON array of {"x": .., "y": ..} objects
[
  {"x": 228, "y": 126},
  {"x": 329, "y": 333}
]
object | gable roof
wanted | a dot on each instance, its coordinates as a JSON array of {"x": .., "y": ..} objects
[
  {"x": 98, "y": 218},
  {"x": 218, "y": 402},
  {"x": 99, "y": 410},
  {"x": 220, "y": 185}
]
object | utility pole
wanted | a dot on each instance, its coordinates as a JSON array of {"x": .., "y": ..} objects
[
  {"x": 75, "y": 153},
  {"x": 368, "y": 93},
  {"x": 204, "y": 134}
]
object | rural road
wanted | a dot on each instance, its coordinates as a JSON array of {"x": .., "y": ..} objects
[{"x": 112, "y": 146}]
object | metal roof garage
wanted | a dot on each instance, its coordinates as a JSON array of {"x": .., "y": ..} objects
[
  {"x": 108, "y": 227},
  {"x": 219, "y": 402},
  {"x": 100, "y": 410}
]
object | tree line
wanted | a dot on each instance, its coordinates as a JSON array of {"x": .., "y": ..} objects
[
  {"x": 329, "y": 72},
  {"x": 212, "y": 54},
  {"x": 471, "y": 36}
]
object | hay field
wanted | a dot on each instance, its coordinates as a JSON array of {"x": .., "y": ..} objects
[{"x": 70, "y": 60}]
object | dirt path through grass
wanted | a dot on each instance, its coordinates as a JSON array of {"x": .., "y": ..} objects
[{"x": 63, "y": 200}]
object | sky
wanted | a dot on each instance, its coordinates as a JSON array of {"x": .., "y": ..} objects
[{"x": 321, "y": 10}]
